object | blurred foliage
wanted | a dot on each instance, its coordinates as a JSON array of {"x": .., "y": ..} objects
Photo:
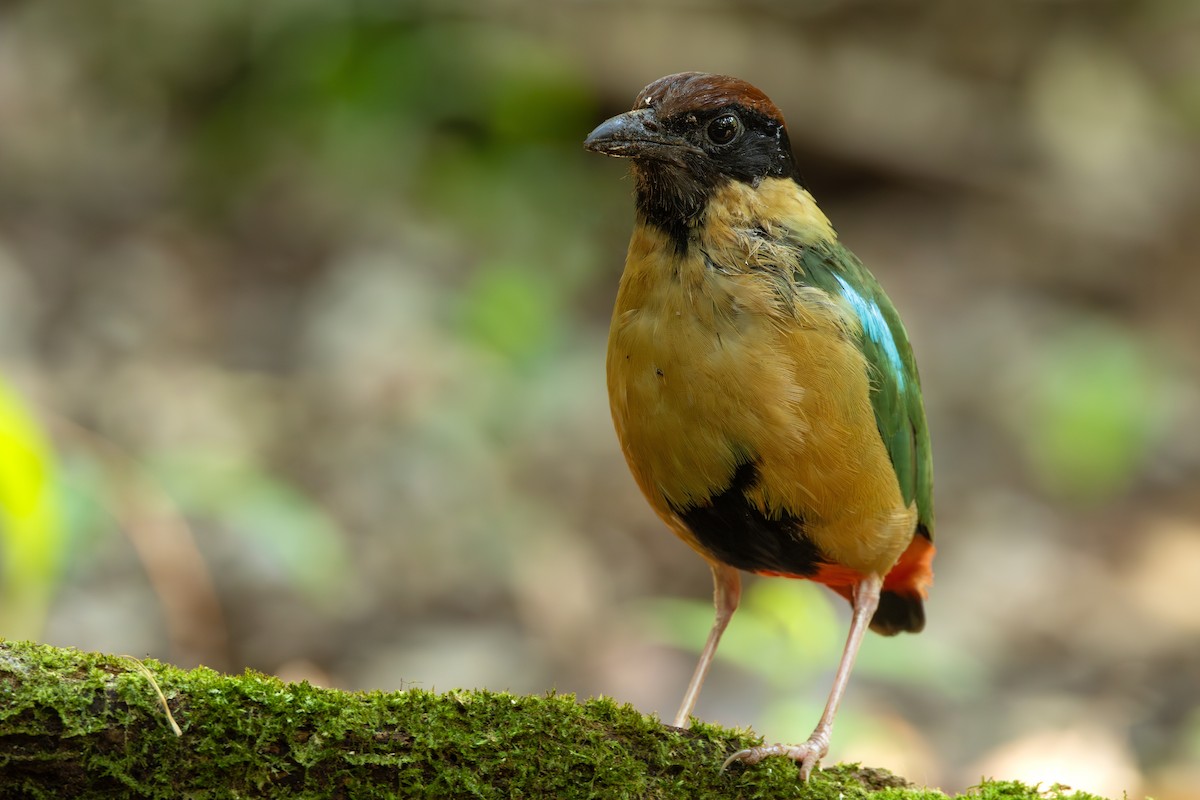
[
  {"x": 32, "y": 540},
  {"x": 787, "y": 631},
  {"x": 511, "y": 311},
  {"x": 1096, "y": 403},
  {"x": 278, "y": 528}
]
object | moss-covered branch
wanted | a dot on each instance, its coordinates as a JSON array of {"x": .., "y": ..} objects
[{"x": 84, "y": 725}]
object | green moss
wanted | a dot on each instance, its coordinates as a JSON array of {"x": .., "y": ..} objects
[
  {"x": 83, "y": 725},
  {"x": 1014, "y": 790}
]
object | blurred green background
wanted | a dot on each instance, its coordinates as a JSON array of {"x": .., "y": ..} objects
[{"x": 302, "y": 320}]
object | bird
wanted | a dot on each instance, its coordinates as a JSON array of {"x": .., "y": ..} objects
[{"x": 762, "y": 386}]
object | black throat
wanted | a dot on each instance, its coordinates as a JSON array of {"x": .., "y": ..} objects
[
  {"x": 672, "y": 194},
  {"x": 671, "y": 201}
]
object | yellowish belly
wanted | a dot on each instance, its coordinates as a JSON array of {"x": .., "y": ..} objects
[{"x": 706, "y": 375}]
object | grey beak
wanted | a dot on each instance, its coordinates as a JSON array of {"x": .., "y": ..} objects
[{"x": 634, "y": 134}]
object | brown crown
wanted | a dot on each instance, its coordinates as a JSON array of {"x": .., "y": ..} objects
[{"x": 686, "y": 92}]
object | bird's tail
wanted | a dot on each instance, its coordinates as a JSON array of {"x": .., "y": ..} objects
[
  {"x": 899, "y": 613},
  {"x": 902, "y": 601}
]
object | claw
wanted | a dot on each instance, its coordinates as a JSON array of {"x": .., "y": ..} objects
[{"x": 807, "y": 755}]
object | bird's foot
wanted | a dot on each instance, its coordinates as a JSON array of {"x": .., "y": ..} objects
[{"x": 806, "y": 754}]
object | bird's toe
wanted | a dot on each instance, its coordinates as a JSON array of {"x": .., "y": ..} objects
[{"x": 807, "y": 755}]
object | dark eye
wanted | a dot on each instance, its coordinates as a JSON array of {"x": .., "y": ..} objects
[{"x": 724, "y": 129}]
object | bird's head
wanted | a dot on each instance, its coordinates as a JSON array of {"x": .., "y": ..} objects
[{"x": 690, "y": 133}]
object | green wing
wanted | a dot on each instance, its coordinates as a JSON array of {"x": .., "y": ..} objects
[{"x": 895, "y": 384}]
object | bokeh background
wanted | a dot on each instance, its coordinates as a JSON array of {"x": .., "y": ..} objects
[{"x": 302, "y": 319}]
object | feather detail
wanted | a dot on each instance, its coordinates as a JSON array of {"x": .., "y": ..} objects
[{"x": 744, "y": 348}]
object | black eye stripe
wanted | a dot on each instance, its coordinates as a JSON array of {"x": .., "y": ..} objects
[{"x": 673, "y": 192}]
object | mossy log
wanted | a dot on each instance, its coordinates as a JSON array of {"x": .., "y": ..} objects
[{"x": 76, "y": 724}]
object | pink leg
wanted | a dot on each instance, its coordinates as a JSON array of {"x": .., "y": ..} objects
[
  {"x": 727, "y": 590},
  {"x": 807, "y": 754}
]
